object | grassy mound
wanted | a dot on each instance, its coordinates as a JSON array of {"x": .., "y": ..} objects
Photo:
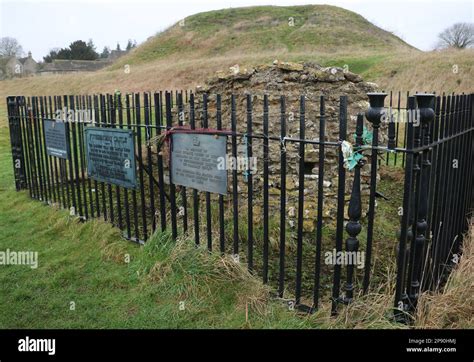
[{"x": 278, "y": 30}]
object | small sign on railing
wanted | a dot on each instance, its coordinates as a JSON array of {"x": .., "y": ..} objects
[
  {"x": 195, "y": 161},
  {"x": 55, "y": 136},
  {"x": 110, "y": 156}
]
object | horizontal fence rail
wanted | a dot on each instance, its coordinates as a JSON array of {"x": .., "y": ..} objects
[{"x": 274, "y": 218}]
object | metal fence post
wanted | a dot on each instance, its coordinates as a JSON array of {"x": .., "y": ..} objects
[
  {"x": 401, "y": 297},
  {"x": 341, "y": 187},
  {"x": 16, "y": 142},
  {"x": 373, "y": 115},
  {"x": 299, "y": 232},
  {"x": 354, "y": 212},
  {"x": 426, "y": 113},
  {"x": 281, "y": 278}
]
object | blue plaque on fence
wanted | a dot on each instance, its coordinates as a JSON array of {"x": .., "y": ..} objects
[
  {"x": 56, "y": 138},
  {"x": 110, "y": 156},
  {"x": 196, "y": 161}
]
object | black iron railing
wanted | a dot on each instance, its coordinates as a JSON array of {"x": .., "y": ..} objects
[{"x": 431, "y": 141}]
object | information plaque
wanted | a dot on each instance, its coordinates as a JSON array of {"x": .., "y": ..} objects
[
  {"x": 56, "y": 138},
  {"x": 196, "y": 162},
  {"x": 110, "y": 156}
]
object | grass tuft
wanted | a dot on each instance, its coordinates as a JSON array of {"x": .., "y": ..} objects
[{"x": 453, "y": 307}]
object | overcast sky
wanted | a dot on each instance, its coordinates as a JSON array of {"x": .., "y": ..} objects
[{"x": 42, "y": 25}]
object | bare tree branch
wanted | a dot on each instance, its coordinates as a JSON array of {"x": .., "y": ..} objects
[
  {"x": 10, "y": 47},
  {"x": 460, "y": 36}
]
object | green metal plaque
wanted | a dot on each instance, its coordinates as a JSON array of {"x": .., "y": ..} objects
[
  {"x": 110, "y": 156},
  {"x": 55, "y": 135}
]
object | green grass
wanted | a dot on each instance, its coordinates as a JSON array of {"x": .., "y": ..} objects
[{"x": 359, "y": 65}]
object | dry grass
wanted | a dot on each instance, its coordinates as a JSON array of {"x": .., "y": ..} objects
[
  {"x": 371, "y": 311},
  {"x": 454, "y": 306},
  {"x": 170, "y": 73},
  {"x": 204, "y": 271},
  {"x": 408, "y": 71},
  {"x": 440, "y": 71},
  {"x": 451, "y": 308}
]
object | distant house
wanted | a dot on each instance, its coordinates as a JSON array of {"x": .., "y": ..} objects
[
  {"x": 30, "y": 66},
  {"x": 17, "y": 67},
  {"x": 60, "y": 66},
  {"x": 115, "y": 54}
]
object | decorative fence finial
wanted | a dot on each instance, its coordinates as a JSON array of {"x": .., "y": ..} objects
[{"x": 376, "y": 109}]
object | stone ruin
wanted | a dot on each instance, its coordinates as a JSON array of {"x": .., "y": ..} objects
[{"x": 291, "y": 80}]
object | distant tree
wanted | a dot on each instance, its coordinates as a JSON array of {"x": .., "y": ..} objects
[
  {"x": 131, "y": 44},
  {"x": 82, "y": 51},
  {"x": 105, "y": 53},
  {"x": 64, "y": 53},
  {"x": 118, "y": 47},
  {"x": 53, "y": 54},
  {"x": 10, "y": 47},
  {"x": 459, "y": 35},
  {"x": 77, "y": 50},
  {"x": 91, "y": 44}
]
